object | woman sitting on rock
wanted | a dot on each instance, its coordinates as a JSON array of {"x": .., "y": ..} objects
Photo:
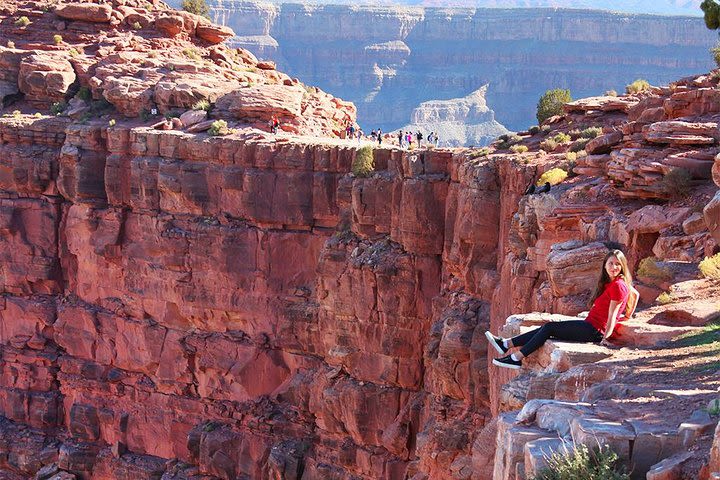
[{"x": 611, "y": 296}]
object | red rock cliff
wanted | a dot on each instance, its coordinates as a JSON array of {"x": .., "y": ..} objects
[{"x": 177, "y": 305}]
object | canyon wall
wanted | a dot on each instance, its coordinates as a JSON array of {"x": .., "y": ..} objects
[{"x": 388, "y": 60}]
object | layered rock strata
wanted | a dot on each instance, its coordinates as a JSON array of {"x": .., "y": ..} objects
[
  {"x": 388, "y": 60},
  {"x": 180, "y": 305}
]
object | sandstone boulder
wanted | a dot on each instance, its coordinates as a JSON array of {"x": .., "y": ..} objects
[
  {"x": 603, "y": 143},
  {"x": 45, "y": 76},
  {"x": 711, "y": 214},
  {"x": 85, "y": 11},
  {"x": 191, "y": 117},
  {"x": 682, "y": 133},
  {"x": 654, "y": 218},
  {"x": 170, "y": 25},
  {"x": 716, "y": 171},
  {"x": 130, "y": 95},
  {"x": 572, "y": 269},
  {"x": 213, "y": 33},
  {"x": 603, "y": 103},
  {"x": 262, "y": 102}
]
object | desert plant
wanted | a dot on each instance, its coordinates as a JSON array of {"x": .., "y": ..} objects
[
  {"x": 57, "y": 39},
  {"x": 84, "y": 94},
  {"x": 611, "y": 93},
  {"x": 562, "y": 138},
  {"x": 37, "y": 115},
  {"x": 111, "y": 122},
  {"x": 551, "y": 103},
  {"x": 552, "y": 176},
  {"x": 137, "y": 26},
  {"x": 637, "y": 86},
  {"x": 16, "y": 113},
  {"x": 191, "y": 53},
  {"x": 508, "y": 140},
  {"x": 664, "y": 298},
  {"x": 677, "y": 182},
  {"x": 716, "y": 54},
  {"x": 591, "y": 132},
  {"x": 483, "y": 152},
  {"x": 10, "y": 44},
  {"x": 203, "y": 104},
  {"x": 74, "y": 52},
  {"x": 534, "y": 130},
  {"x": 549, "y": 145},
  {"x": 710, "y": 267},
  {"x": 218, "y": 128},
  {"x": 713, "y": 407},
  {"x": 198, "y": 7},
  {"x": 57, "y": 108},
  {"x": 571, "y": 157},
  {"x": 711, "y": 11},
  {"x": 519, "y": 148},
  {"x": 583, "y": 464},
  {"x": 651, "y": 268},
  {"x": 364, "y": 163},
  {"x": 579, "y": 144},
  {"x": 22, "y": 22}
]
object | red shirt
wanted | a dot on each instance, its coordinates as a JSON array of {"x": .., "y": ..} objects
[{"x": 616, "y": 290}]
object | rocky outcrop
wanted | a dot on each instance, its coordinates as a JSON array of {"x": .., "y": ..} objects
[
  {"x": 184, "y": 305},
  {"x": 388, "y": 60},
  {"x": 457, "y": 122}
]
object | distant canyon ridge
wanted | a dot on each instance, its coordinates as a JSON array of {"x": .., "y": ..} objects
[{"x": 389, "y": 60}]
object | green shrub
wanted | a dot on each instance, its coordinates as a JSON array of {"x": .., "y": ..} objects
[
  {"x": 202, "y": 105},
  {"x": 579, "y": 144},
  {"x": 519, "y": 149},
  {"x": 611, "y": 93},
  {"x": 677, "y": 182},
  {"x": 583, "y": 464},
  {"x": 218, "y": 128},
  {"x": 57, "y": 39},
  {"x": 84, "y": 94},
  {"x": 508, "y": 140},
  {"x": 111, "y": 122},
  {"x": 551, "y": 103},
  {"x": 549, "y": 145},
  {"x": 136, "y": 26},
  {"x": 74, "y": 52},
  {"x": 710, "y": 267},
  {"x": 553, "y": 176},
  {"x": 637, "y": 86},
  {"x": 534, "y": 130},
  {"x": 651, "y": 267},
  {"x": 711, "y": 11},
  {"x": 591, "y": 132},
  {"x": 483, "y": 152},
  {"x": 198, "y": 7},
  {"x": 58, "y": 107},
  {"x": 571, "y": 157},
  {"x": 664, "y": 298},
  {"x": 364, "y": 163},
  {"x": 716, "y": 54},
  {"x": 562, "y": 138},
  {"x": 191, "y": 53},
  {"x": 22, "y": 22}
]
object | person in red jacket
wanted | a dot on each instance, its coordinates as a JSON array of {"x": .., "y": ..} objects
[{"x": 614, "y": 298}]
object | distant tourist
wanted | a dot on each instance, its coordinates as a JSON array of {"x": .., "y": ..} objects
[
  {"x": 409, "y": 138},
  {"x": 400, "y": 138},
  {"x": 274, "y": 124},
  {"x": 419, "y": 137},
  {"x": 360, "y": 135},
  {"x": 379, "y": 136},
  {"x": 614, "y": 299}
]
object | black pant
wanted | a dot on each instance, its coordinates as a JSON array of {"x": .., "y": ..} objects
[{"x": 571, "y": 330}]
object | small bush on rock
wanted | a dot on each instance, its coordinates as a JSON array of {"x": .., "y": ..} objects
[
  {"x": 710, "y": 267},
  {"x": 198, "y": 7},
  {"x": 562, "y": 138},
  {"x": 519, "y": 149},
  {"x": 591, "y": 132},
  {"x": 579, "y": 144},
  {"x": 549, "y": 145},
  {"x": 202, "y": 105},
  {"x": 57, "y": 108},
  {"x": 664, "y": 298},
  {"x": 677, "y": 182},
  {"x": 552, "y": 176},
  {"x": 611, "y": 93},
  {"x": 57, "y": 39},
  {"x": 551, "y": 103},
  {"x": 483, "y": 152},
  {"x": 534, "y": 130},
  {"x": 637, "y": 86},
  {"x": 364, "y": 163},
  {"x": 582, "y": 463},
  {"x": 716, "y": 54},
  {"x": 22, "y": 22},
  {"x": 507, "y": 141},
  {"x": 218, "y": 128},
  {"x": 651, "y": 268}
]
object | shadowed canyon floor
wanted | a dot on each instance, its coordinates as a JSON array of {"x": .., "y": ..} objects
[{"x": 182, "y": 305}]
